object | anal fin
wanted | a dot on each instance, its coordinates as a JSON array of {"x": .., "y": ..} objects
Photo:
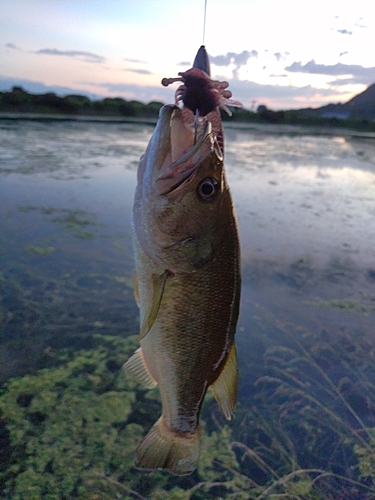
[
  {"x": 224, "y": 388},
  {"x": 137, "y": 370}
]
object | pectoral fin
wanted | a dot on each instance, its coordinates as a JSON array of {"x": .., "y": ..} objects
[
  {"x": 224, "y": 388},
  {"x": 158, "y": 284},
  {"x": 137, "y": 370},
  {"x": 136, "y": 289}
]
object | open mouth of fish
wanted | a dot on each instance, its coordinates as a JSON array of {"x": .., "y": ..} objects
[{"x": 189, "y": 147}]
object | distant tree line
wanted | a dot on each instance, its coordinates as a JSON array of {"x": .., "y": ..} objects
[
  {"x": 308, "y": 117},
  {"x": 20, "y": 101}
]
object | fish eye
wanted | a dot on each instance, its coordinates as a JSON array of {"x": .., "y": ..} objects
[{"x": 208, "y": 189}]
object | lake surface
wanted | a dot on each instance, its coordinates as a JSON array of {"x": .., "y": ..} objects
[{"x": 306, "y": 208}]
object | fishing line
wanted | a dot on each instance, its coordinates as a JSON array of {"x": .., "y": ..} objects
[
  {"x": 204, "y": 20},
  {"x": 196, "y": 117}
]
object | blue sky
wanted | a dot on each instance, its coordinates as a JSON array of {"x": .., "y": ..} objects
[{"x": 286, "y": 54}]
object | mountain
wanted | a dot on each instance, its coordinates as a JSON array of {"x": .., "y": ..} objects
[
  {"x": 359, "y": 107},
  {"x": 363, "y": 104}
]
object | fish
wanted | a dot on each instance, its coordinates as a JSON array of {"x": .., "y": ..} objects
[{"x": 187, "y": 259}]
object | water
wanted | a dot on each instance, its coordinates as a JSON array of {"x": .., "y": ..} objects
[{"x": 305, "y": 206}]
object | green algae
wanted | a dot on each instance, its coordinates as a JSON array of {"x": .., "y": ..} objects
[
  {"x": 40, "y": 251},
  {"x": 345, "y": 305},
  {"x": 81, "y": 223},
  {"x": 71, "y": 430},
  {"x": 61, "y": 418}
]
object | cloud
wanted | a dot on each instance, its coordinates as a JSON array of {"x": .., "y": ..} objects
[
  {"x": 284, "y": 96},
  {"x": 238, "y": 59},
  {"x": 278, "y": 76},
  {"x": 142, "y": 93},
  {"x": 139, "y": 71},
  {"x": 343, "y": 53},
  {"x": 360, "y": 25},
  {"x": 11, "y": 46},
  {"x": 79, "y": 54},
  {"x": 184, "y": 63},
  {"x": 341, "y": 82},
  {"x": 128, "y": 59},
  {"x": 280, "y": 55},
  {"x": 345, "y": 32},
  {"x": 35, "y": 87},
  {"x": 233, "y": 58},
  {"x": 359, "y": 73},
  {"x": 247, "y": 90}
]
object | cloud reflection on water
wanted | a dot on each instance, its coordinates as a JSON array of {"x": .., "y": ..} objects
[{"x": 303, "y": 196}]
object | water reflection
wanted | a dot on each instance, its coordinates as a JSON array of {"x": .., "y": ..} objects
[
  {"x": 298, "y": 197},
  {"x": 69, "y": 151}
]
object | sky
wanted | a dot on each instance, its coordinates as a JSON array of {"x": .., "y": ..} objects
[{"x": 282, "y": 54}]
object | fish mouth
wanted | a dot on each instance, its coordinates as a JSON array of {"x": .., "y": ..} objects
[{"x": 185, "y": 155}]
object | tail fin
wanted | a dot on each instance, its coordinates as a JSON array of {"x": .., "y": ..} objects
[{"x": 164, "y": 449}]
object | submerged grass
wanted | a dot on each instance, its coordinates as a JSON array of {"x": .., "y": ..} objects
[
  {"x": 363, "y": 306},
  {"x": 315, "y": 416},
  {"x": 71, "y": 430},
  {"x": 33, "y": 250},
  {"x": 80, "y": 223}
]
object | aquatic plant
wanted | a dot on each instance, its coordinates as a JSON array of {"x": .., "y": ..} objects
[
  {"x": 33, "y": 250},
  {"x": 71, "y": 430},
  {"x": 80, "y": 223},
  {"x": 63, "y": 423},
  {"x": 315, "y": 415}
]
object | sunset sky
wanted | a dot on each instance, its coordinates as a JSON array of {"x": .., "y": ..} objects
[{"x": 284, "y": 54}]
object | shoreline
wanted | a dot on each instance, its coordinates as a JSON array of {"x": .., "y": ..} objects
[
  {"x": 292, "y": 130},
  {"x": 261, "y": 128},
  {"x": 75, "y": 118}
]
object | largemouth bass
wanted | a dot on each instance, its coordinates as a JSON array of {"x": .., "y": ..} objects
[{"x": 188, "y": 277}]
